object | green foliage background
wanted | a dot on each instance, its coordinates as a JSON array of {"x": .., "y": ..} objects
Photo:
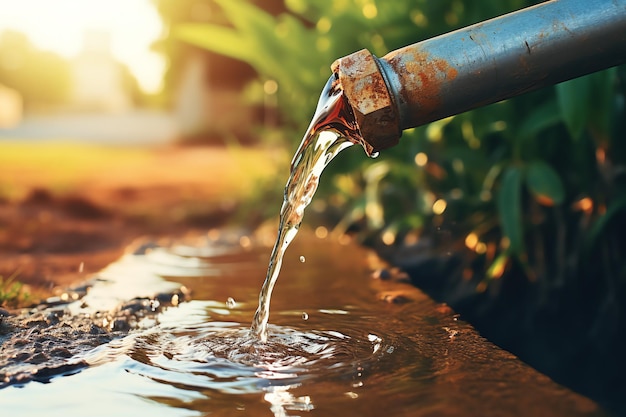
[
  {"x": 42, "y": 78},
  {"x": 532, "y": 185}
]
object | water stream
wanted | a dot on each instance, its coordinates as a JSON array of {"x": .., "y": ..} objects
[{"x": 331, "y": 130}]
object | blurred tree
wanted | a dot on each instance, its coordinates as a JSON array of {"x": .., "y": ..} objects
[{"x": 43, "y": 78}]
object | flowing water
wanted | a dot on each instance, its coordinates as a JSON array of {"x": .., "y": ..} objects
[
  {"x": 332, "y": 129},
  {"x": 334, "y": 348}
]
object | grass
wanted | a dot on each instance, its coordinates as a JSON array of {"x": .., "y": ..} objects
[{"x": 12, "y": 292}]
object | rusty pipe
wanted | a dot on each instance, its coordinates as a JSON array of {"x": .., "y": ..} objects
[{"x": 481, "y": 64}]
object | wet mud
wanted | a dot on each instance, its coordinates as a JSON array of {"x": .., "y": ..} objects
[
  {"x": 46, "y": 341},
  {"x": 56, "y": 245}
]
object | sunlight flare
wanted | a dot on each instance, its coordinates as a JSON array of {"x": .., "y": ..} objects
[{"x": 60, "y": 26}]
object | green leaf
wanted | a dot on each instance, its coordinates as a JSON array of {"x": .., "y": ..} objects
[
  {"x": 281, "y": 57},
  {"x": 541, "y": 118},
  {"x": 510, "y": 208},
  {"x": 496, "y": 270},
  {"x": 218, "y": 39},
  {"x": 544, "y": 183},
  {"x": 597, "y": 229},
  {"x": 574, "y": 101},
  {"x": 491, "y": 176},
  {"x": 602, "y": 96}
]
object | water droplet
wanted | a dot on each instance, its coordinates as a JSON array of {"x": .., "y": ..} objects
[
  {"x": 302, "y": 259},
  {"x": 154, "y": 305},
  {"x": 373, "y": 338},
  {"x": 305, "y": 316},
  {"x": 374, "y": 155},
  {"x": 230, "y": 303}
]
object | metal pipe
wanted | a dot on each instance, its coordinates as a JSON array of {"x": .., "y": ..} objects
[{"x": 481, "y": 64}]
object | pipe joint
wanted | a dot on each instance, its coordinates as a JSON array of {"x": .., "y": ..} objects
[{"x": 365, "y": 88}]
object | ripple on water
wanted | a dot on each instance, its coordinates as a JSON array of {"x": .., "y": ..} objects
[{"x": 225, "y": 357}]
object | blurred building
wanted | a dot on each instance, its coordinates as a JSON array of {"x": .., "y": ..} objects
[
  {"x": 210, "y": 91},
  {"x": 11, "y": 107},
  {"x": 98, "y": 79},
  {"x": 209, "y": 102}
]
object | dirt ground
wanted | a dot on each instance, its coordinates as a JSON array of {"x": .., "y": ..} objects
[
  {"x": 66, "y": 212},
  {"x": 64, "y": 220}
]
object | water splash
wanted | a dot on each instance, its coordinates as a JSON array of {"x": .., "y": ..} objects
[{"x": 332, "y": 129}]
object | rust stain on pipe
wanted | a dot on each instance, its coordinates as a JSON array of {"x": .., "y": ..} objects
[
  {"x": 422, "y": 78},
  {"x": 364, "y": 79},
  {"x": 367, "y": 93}
]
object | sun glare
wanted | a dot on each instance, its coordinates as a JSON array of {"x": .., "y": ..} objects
[{"x": 61, "y": 25}]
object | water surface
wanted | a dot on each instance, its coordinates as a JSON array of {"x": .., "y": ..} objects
[{"x": 334, "y": 347}]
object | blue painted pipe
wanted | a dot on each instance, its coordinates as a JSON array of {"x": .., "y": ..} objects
[{"x": 481, "y": 64}]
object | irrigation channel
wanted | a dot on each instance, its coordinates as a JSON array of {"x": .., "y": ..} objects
[{"x": 170, "y": 335}]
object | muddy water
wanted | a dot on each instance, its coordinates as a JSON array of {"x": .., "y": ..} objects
[{"x": 335, "y": 347}]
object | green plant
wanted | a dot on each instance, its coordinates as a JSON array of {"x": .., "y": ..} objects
[
  {"x": 518, "y": 180},
  {"x": 12, "y": 292}
]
